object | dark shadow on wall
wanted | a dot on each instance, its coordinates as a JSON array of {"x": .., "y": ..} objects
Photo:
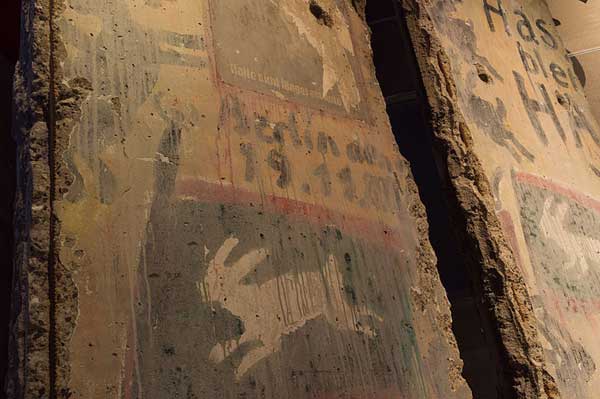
[
  {"x": 397, "y": 73},
  {"x": 9, "y": 50}
]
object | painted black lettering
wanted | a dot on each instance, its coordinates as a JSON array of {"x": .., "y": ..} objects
[
  {"x": 575, "y": 82},
  {"x": 552, "y": 112},
  {"x": 278, "y": 131},
  {"x": 308, "y": 141},
  {"x": 354, "y": 153},
  {"x": 533, "y": 108},
  {"x": 345, "y": 176},
  {"x": 524, "y": 28},
  {"x": 540, "y": 62},
  {"x": 575, "y": 126},
  {"x": 491, "y": 119},
  {"x": 559, "y": 75},
  {"x": 292, "y": 127},
  {"x": 247, "y": 150},
  {"x": 280, "y": 163},
  {"x": 529, "y": 62},
  {"x": 241, "y": 123},
  {"x": 547, "y": 37},
  {"x": 335, "y": 150},
  {"x": 325, "y": 142},
  {"x": 322, "y": 143},
  {"x": 231, "y": 109},
  {"x": 582, "y": 122},
  {"x": 370, "y": 154},
  {"x": 260, "y": 126},
  {"x": 499, "y": 10},
  {"x": 322, "y": 172}
]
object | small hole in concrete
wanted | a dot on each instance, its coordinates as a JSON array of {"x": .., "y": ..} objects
[
  {"x": 562, "y": 100},
  {"x": 482, "y": 73},
  {"x": 320, "y": 14}
]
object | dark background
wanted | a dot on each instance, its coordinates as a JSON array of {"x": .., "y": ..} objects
[{"x": 9, "y": 50}]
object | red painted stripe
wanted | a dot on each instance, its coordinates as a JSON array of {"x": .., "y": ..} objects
[
  {"x": 389, "y": 393},
  {"x": 377, "y": 232},
  {"x": 588, "y": 306},
  {"x": 546, "y": 184}
]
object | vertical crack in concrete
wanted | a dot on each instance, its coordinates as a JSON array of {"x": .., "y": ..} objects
[{"x": 497, "y": 278}]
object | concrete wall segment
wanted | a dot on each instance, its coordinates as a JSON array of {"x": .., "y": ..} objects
[
  {"x": 511, "y": 114},
  {"x": 227, "y": 223}
]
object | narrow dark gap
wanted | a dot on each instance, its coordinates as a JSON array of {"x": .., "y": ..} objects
[
  {"x": 397, "y": 72},
  {"x": 9, "y": 52}
]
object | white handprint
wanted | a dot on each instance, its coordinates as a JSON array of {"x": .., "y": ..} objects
[{"x": 277, "y": 307}]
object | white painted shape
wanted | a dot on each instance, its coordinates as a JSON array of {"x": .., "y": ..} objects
[
  {"x": 578, "y": 248},
  {"x": 277, "y": 307}
]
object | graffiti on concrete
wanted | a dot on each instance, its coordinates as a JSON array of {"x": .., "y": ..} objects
[
  {"x": 544, "y": 80},
  {"x": 296, "y": 153},
  {"x": 261, "y": 304},
  {"x": 282, "y": 49},
  {"x": 490, "y": 120},
  {"x": 227, "y": 285},
  {"x": 200, "y": 191},
  {"x": 572, "y": 364},
  {"x": 562, "y": 230},
  {"x": 579, "y": 248}
]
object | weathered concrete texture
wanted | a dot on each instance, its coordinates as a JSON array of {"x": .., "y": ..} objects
[
  {"x": 230, "y": 214},
  {"x": 29, "y": 374},
  {"x": 520, "y": 146}
]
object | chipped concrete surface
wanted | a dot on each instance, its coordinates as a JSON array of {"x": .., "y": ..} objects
[
  {"x": 508, "y": 109},
  {"x": 29, "y": 371},
  {"x": 167, "y": 144},
  {"x": 160, "y": 136}
]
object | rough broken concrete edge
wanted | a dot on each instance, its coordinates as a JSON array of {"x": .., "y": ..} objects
[
  {"x": 45, "y": 298},
  {"x": 29, "y": 366},
  {"x": 360, "y": 6},
  {"x": 501, "y": 284},
  {"x": 429, "y": 294},
  {"x": 66, "y": 113}
]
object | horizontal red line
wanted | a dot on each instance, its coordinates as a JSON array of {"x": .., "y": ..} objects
[
  {"x": 582, "y": 199},
  {"x": 373, "y": 231},
  {"x": 390, "y": 393}
]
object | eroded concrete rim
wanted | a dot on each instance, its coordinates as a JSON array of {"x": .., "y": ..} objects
[{"x": 501, "y": 285}]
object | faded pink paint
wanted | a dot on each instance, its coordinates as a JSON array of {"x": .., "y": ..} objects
[{"x": 372, "y": 231}]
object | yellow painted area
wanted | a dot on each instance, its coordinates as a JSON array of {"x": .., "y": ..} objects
[
  {"x": 559, "y": 161},
  {"x": 180, "y": 16},
  {"x": 158, "y": 101}
]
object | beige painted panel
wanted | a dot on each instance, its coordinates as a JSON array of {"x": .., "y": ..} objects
[
  {"x": 539, "y": 145},
  {"x": 580, "y": 23},
  {"x": 241, "y": 223}
]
